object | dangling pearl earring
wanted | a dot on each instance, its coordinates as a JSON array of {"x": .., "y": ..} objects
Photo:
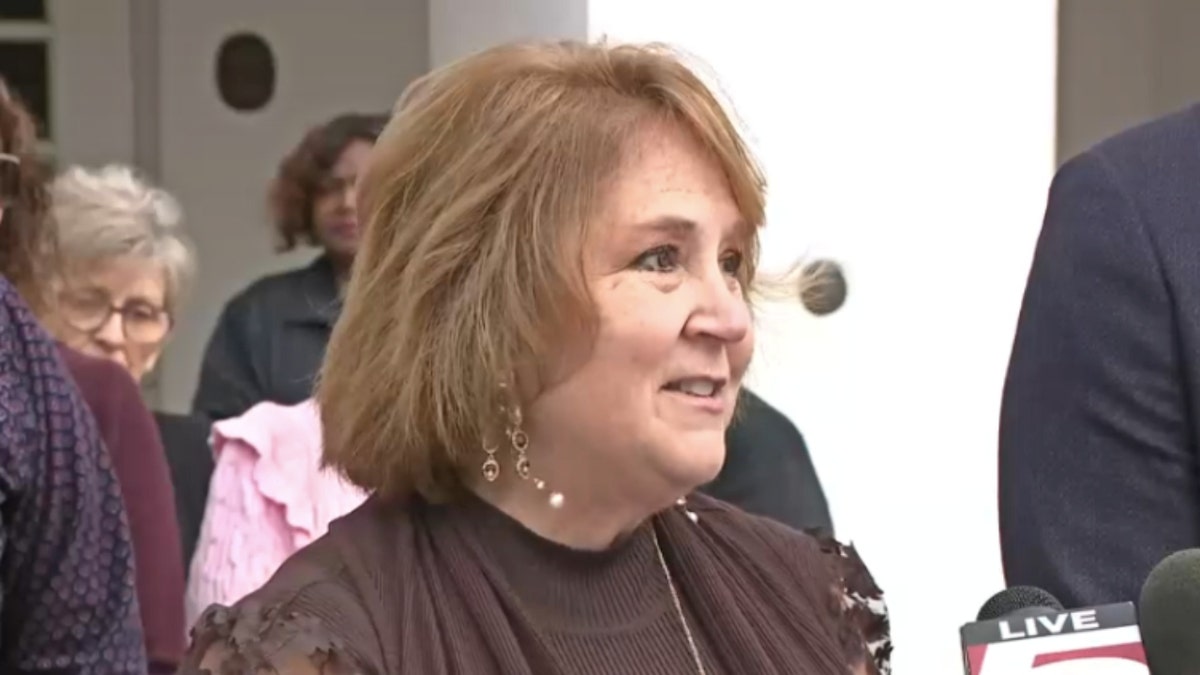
[{"x": 520, "y": 444}]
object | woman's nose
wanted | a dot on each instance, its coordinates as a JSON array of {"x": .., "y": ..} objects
[
  {"x": 722, "y": 312},
  {"x": 111, "y": 333}
]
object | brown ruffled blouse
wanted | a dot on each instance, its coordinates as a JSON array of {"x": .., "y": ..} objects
[{"x": 464, "y": 589}]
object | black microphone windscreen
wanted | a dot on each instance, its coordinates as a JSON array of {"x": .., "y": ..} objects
[
  {"x": 1019, "y": 601},
  {"x": 1169, "y": 614}
]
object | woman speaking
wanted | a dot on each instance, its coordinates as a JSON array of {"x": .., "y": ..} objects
[{"x": 541, "y": 348}]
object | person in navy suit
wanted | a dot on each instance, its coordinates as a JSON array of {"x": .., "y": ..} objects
[{"x": 1098, "y": 432}]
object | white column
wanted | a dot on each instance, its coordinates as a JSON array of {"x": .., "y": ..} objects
[
  {"x": 92, "y": 107},
  {"x": 914, "y": 142}
]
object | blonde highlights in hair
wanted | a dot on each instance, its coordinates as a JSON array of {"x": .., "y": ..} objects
[{"x": 477, "y": 202}]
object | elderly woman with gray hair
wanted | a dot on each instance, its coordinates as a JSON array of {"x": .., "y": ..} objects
[
  {"x": 122, "y": 266},
  {"x": 125, "y": 263}
]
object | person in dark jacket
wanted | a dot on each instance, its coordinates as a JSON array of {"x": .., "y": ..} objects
[
  {"x": 269, "y": 339},
  {"x": 67, "y": 594},
  {"x": 768, "y": 469},
  {"x": 1099, "y": 478},
  {"x": 185, "y": 439}
]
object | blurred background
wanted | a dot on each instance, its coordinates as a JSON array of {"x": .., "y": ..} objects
[{"x": 949, "y": 116}]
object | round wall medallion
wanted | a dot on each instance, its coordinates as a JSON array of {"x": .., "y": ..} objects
[{"x": 245, "y": 72}]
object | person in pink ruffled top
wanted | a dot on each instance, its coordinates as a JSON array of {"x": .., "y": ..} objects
[{"x": 269, "y": 497}]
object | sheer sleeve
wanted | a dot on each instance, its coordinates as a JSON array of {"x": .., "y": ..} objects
[
  {"x": 862, "y": 604},
  {"x": 255, "y": 639}
]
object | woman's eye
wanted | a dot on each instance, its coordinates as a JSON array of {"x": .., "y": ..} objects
[
  {"x": 87, "y": 301},
  {"x": 143, "y": 312},
  {"x": 661, "y": 259},
  {"x": 731, "y": 264}
]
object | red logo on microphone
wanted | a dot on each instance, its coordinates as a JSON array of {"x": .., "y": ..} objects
[{"x": 1130, "y": 652}]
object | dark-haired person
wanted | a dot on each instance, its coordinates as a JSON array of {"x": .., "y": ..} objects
[
  {"x": 270, "y": 338},
  {"x": 68, "y": 603}
]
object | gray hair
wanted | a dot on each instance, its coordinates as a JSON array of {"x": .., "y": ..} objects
[{"x": 111, "y": 212}]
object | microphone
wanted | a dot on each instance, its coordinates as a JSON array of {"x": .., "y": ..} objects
[
  {"x": 1018, "y": 602},
  {"x": 822, "y": 287},
  {"x": 1170, "y": 614},
  {"x": 1025, "y": 631}
]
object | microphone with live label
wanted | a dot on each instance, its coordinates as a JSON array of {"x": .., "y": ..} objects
[
  {"x": 1169, "y": 610},
  {"x": 1026, "y": 631}
]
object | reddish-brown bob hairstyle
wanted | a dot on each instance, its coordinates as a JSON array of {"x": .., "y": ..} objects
[
  {"x": 303, "y": 172},
  {"x": 476, "y": 203}
]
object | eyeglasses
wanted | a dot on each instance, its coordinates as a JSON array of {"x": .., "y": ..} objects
[{"x": 141, "y": 322}]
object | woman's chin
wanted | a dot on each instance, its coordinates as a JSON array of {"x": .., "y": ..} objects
[{"x": 696, "y": 463}]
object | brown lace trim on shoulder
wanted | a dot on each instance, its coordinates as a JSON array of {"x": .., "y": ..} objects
[
  {"x": 862, "y": 603},
  {"x": 252, "y": 639}
]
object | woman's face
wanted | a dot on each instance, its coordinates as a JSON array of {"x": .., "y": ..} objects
[
  {"x": 114, "y": 309},
  {"x": 335, "y": 218},
  {"x": 646, "y": 400}
]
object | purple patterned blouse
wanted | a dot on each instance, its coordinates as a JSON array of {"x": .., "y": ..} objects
[{"x": 68, "y": 605}]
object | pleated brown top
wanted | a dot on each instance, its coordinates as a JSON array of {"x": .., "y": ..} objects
[{"x": 464, "y": 589}]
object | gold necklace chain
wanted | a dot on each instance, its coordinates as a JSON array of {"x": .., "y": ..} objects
[{"x": 687, "y": 631}]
